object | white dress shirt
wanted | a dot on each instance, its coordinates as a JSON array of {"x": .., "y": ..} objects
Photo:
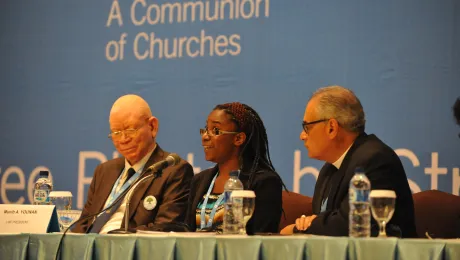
[{"x": 117, "y": 217}]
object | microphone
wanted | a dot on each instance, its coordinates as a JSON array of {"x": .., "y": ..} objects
[{"x": 171, "y": 160}]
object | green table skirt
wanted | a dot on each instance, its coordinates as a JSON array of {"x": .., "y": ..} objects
[{"x": 189, "y": 246}]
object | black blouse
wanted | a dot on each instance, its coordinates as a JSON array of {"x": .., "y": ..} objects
[{"x": 267, "y": 186}]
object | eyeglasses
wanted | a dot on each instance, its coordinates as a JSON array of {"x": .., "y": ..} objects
[
  {"x": 215, "y": 132},
  {"x": 306, "y": 124},
  {"x": 130, "y": 132}
]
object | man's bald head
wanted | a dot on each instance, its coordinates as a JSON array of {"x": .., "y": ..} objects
[
  {"x": 133, "y": 104},
  {"x": 131, "y": 117}
]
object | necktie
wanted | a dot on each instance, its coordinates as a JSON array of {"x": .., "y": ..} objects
[
  {"x": 331, "y": 181},
  {"x": 130, "y": 174},
  {"x": 104, "y": 217}
]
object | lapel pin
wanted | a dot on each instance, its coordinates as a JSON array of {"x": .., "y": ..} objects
[{"x": 150, "y": 202}]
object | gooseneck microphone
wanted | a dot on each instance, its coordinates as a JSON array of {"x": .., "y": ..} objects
[
  {"x": 153, "y": 171},
  {"x": 171, "y": 160}
]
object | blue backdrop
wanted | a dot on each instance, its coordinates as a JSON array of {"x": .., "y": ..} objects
[{"x": 63, "y": 64}]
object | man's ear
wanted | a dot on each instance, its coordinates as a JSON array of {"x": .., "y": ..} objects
[
  {"x": 332, "y": 128},
  {"x": 153, "y": 125},
  {"x": 239, "y": 139}
]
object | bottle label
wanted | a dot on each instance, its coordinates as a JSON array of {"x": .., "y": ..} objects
[
  {"x": 41, "y": 196},
  {"x": 358, "y": 195},
  {"x": 227, "y": 195}
]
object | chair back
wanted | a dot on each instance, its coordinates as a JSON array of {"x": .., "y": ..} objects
[
  {"x": 294, "y": 206},
  {"x": 437, "y": 213}
]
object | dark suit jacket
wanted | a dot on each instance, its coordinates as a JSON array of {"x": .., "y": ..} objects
[
  {"x": 171, "y": 190},
  {"x": 384, "y": 170},
  {"x": 267, "y": 187}
]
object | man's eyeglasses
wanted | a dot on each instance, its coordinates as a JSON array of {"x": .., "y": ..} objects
[
  {"x": 306, "y": 124},
  {"x": 215, "y": 132},
  {"x": 130, "y": 132}
]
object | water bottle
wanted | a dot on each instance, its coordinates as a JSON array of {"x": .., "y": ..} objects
[
  {"x": 233, "y": 208},
  {"x": 42, "y": 188},
  {"x": 359, "y": 215}
]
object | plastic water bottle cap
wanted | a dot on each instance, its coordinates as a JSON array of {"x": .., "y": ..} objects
[
  {"x": 234, "y": 173},
  {"x": 44, "y": 174},
  {"x": 359, "y": 170}
]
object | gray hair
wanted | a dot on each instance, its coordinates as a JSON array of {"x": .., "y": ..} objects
[{"x": 341, "y": 104}]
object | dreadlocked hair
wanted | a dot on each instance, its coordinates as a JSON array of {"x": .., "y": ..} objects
[{"x": 255, "y": 153}]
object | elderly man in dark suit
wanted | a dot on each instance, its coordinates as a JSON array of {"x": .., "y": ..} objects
[
  {"x": 162, "y": 200},
  {"x": 333, "y": 131}
]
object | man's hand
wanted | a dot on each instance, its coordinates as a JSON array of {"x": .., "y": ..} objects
[{"x": 303, "y": 223}]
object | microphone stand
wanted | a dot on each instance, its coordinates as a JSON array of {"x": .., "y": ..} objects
[
  {"x": 128, "y": 201},
  {"x": 128, "y": 192}
]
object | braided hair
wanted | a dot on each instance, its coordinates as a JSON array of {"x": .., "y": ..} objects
[{"x": 254, "y": 154}]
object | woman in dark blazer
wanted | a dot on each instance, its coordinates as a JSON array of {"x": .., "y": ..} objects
[{"x": 235, "y": 139}]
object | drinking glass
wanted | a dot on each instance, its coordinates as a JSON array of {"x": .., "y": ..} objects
[
  {"x": 382, "y": 207},
  {"x": 248, "y": 202},
  {"x": 62, "y": 200},
  {"x": 68, "y": 217}
]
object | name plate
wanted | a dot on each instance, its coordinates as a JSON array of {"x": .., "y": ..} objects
[{"x": 17, "y": 218}]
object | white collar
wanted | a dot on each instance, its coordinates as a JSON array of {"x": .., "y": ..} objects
[
  {"x": 339, "y": 161},
  {"x": 140, "y": 164}
]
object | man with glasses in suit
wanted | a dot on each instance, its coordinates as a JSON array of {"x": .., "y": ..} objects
[
  {"x": 333, "y": 132},
  {"x": 160, "y": 201}
]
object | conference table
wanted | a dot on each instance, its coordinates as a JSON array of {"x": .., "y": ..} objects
[{"x": 203, "y": 246}]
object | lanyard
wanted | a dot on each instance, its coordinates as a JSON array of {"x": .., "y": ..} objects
[
  {"x": 214, "y": 209},
  {"x": 114, "y": 194}
]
